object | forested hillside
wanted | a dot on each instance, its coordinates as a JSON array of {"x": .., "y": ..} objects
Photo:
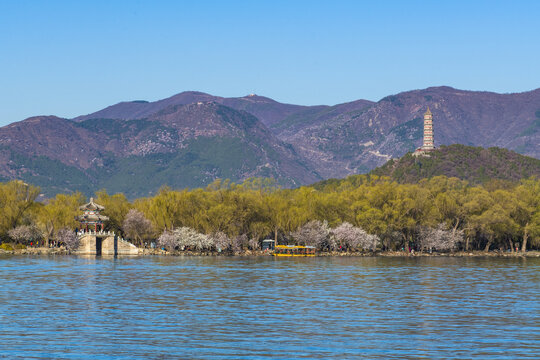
[{"x": 474, "y": 164}]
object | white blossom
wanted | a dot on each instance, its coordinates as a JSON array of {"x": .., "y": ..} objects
[
  {"x": 185, "y": 238},
  {"x": 167, "y": 240},
  {"x": 26, "y": 233},
  {"x": 254, "y": 244},
  {"x": 314, "y": 233},
  {"x": 221, "y": 241},
  {"x": 239, "y": 243},
  {"x": 69, "y": 238},
  {"x": 355, "y": 238},
  {"x": 136, "y": 225},
  {"x": 439, "y": 238}
]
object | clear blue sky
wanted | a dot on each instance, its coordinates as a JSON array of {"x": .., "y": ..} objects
[{"x": 72, "y": 57}]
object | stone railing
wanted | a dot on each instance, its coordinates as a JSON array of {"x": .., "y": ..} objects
[{"x": 91, "y": 232}]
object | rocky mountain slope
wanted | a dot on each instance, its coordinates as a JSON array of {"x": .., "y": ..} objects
[
  {"x": 358, "y": 140},
  {"x": 181, "y": 145},
  {"x": 192, "y": 138},
  {"x": 355, "y": 137}
]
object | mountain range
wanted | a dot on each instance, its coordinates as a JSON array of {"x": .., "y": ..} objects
[{"x": 193, "y": 138}]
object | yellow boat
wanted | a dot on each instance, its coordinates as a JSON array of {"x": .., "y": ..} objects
[{"x": 293, "y": 250}]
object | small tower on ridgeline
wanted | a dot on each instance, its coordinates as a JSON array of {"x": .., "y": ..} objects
[{"x": 427, "y": 144}]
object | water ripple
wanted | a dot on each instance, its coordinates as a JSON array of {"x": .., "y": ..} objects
[{"x": 251, "y": 308}]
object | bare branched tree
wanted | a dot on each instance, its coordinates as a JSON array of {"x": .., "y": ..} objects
[{"x": 239, "y": 243}]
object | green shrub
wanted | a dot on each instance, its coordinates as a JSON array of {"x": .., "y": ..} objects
[{"x": 20, "y": 246}]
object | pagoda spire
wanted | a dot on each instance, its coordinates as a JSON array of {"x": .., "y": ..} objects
[{"x": 428, "y": 143}]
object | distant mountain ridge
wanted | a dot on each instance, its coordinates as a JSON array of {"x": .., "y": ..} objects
[
  {"x": 192, "y": 138},
  {"x": 359, "y": 140},
  {"x": 181, "y": 145},
  {"x": 267, "y": 110}
]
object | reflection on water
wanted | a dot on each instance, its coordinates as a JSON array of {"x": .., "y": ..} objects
[{"x": 241, "y": 308}]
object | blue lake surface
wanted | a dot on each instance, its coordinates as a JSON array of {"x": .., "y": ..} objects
[{"x": 68, "y": 307}]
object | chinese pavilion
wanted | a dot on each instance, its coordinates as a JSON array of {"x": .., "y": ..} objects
[{"x": 91, "y": 219}]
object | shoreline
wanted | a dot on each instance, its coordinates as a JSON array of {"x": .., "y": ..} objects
[{"x": 249, "y": 253}]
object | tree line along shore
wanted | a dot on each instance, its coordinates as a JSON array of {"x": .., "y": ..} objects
[{"x": 362, "y": 214}]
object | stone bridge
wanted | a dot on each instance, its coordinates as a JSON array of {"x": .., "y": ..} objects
[{"x": 104, "y": 243}]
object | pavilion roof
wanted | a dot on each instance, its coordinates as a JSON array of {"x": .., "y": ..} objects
[
  {"x": 91, "y": 206},
  {"x": 92, "y": 218}
]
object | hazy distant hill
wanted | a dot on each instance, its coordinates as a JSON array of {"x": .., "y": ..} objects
[
  {"x": 474, "y": 164},
  {"x": 192, "y": 138}
]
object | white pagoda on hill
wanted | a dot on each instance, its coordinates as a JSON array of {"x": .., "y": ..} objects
[{"x": 428, "y": 144}]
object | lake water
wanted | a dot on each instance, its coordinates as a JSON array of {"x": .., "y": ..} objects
[{"x": 261, "y": 307}]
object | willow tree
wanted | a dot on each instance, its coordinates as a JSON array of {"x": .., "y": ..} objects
[
  {"x": 527, "y": 211},
  {"x": 116, "y": 208},
  {"x": 284, "y": 216},
  {"x": 163, "y": 210},
  {"x": 60, "y": 212},
  {"x": 16, "y": 200}
]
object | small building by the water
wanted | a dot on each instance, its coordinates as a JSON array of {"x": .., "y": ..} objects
[
  {"x": 268, "y": 244},
  {"x": 91, "y": 219},
  {"x": 94, "y": 240}
]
